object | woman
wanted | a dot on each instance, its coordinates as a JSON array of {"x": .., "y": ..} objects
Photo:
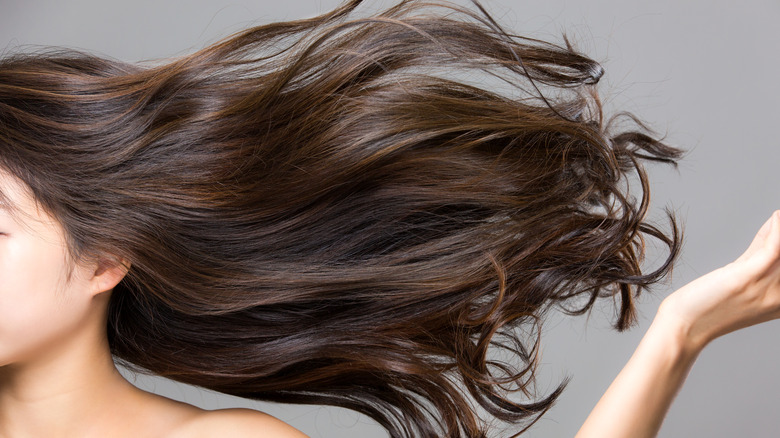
[{"x": 304, "y": 213}]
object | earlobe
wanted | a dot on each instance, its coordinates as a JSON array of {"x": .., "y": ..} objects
[{"x": 108, "y": 273}]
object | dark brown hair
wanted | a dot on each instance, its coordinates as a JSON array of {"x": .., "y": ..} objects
[{"x": 321, "y": 210}]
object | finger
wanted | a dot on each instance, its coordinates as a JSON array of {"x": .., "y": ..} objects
[
  {"x": 772, "y": 243},
  {"x": 763, "y": 237}
]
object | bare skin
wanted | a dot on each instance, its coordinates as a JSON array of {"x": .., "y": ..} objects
[
  {"x": 57, "y": 377},
  {"x": 75, "y": 390}
]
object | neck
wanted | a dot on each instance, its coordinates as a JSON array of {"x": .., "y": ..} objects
[{"x": 71, "y": 387}]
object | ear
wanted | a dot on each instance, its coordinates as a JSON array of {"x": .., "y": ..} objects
[{"x": 108, "y": 273}]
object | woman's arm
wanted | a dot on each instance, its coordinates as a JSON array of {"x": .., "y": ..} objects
[
  {"x": 743, "y": 293},
  {"x": 636, "y": 402}
]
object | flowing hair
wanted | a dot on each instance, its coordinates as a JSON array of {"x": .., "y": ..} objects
[{"x": 330, "y": 211}]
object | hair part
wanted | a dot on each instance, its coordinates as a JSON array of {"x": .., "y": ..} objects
[{"x": 311, "y": 216}]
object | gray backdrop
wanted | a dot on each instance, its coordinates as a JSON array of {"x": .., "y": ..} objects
[{"x": 704, "y": 72}]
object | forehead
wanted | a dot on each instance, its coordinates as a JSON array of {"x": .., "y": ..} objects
[
  {"x": 17, "y": 201},
  {"x": 12, "y": 192}
]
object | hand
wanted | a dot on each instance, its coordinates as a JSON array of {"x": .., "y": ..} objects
[{"x": 741, "y": 294}]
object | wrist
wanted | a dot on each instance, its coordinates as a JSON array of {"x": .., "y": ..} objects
[{"x": 678, "y": 333}]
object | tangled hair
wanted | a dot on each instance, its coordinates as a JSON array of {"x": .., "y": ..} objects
[{"x": 318, "y": 211}]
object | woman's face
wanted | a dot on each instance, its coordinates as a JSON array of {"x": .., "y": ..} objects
[{"x": 40, "y": 308}]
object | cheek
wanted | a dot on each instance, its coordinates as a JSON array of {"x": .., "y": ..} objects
[{"x": 36, "y": 307}]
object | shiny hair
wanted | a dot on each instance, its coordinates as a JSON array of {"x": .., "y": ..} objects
[{"x": 333, "y": 211}]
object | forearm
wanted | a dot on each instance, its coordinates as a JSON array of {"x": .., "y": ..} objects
[{"x": 636, "y": 402}]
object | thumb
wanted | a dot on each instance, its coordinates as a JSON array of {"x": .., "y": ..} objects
[{"x": 767, "y": 232}]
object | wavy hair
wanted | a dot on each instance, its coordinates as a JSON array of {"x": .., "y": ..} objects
[{"x": 322, "y": 211}]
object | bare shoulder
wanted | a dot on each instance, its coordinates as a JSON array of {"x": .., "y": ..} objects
[{"x": 241, "y": 422}]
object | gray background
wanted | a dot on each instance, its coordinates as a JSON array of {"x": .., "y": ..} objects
[{"x": 704, "y": 72}]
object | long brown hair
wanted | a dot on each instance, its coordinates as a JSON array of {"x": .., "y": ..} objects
[{"x": 320, "y": 211}]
